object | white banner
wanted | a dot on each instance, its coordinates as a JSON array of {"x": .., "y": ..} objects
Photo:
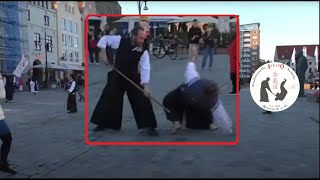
[
  {"x": 223, "y": 23},
  {"x": 21, "y": 66}
]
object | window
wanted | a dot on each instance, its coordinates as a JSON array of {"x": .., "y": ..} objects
[
  {"x": 69, "y": 26},
  {"x": 310, "y": 70},
  {"x": 63, "y": 24},
  {"x": 76, "y": 56},
  {"x": 254, "y": 53},
  {"x": 71, "y": 56},
  {"x": 69, "y": 10},
  {"x": 42, "y": 4},
  {"x": 46, "y": 20},
  {"x": 34, "y": 2},
  {"x": 28, "y": 15},
  {"x": 72, "y": 10},
  {"x": 65, "y": 55},
  {"x": 66, "y": 7},
  {"x": 310, "y": 63},
  {"x": 49, "y": 41},
  {"x": 254, "y": 32},
  {"x": 47, "y": 7},
  {"x": 38, "y": 3},
  {"x": 70, "y": 41},
  {"x": 254, "y": 37},
  {"x": 255, "y": 42},
  {"x": 75, "y": 42},
  {"x": 90, "y": 6},
  {"x": 64, "y": 40},
  {"x": 75, "y": 28},
  {"x": 37, "y": 42}
]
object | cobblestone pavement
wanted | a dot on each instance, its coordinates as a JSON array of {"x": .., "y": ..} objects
[{"x": 48, "y": 142}]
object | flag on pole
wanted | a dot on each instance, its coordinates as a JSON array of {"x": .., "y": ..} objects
[
  {"x": 316, "y": 55},
  {"x": 293, "y": 58},
  {"x": 305, "y": 51},
  {"x": 21, "y": 66}
]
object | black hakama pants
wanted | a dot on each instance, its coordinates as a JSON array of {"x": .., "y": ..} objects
[
  {"x": 72, "y": 102},
  {"x": 9, "y": 92},
  {"x": 108, "y": 111},
  {"x": 195, "y": 118}
]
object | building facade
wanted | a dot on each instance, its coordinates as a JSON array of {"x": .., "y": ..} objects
[
  {"x": 42, "y": 30},
  {"x": 70, "y": 35},
  {"x": 108, "y": 7},
  {"x": 13, "y": 34},
  {"x": 286, "y": 55},
  {"x": 249, "y": 49}
]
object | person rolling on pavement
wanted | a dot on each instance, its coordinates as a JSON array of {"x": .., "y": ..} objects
[
  {"x": 132, "y": 59},
  {"x": 199, "y": 99}
]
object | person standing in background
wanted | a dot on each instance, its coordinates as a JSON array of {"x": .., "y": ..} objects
[
  {"x": 233, "y": 63},
  {"x": 194, "y": 36},
  {"x": 301, "y": 68},
  {"x": 10, "y": 84},
  {"x": 71, "y": 90},
  {"x": 209, "y": 43}
]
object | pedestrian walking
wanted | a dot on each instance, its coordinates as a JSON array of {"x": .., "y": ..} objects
[
  {"x": 132, "y": 53},
  {"x": 5, "y": 135},
  {"x": 34, "y": 85}
]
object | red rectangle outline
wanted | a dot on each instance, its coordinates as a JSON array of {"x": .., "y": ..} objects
[{"x": 86, "y": 129}]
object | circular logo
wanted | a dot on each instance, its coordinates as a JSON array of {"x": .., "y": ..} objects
[{"x": 274, "y": 87}]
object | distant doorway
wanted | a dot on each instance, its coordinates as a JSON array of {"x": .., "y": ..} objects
[{"x": 37, "y": 72}]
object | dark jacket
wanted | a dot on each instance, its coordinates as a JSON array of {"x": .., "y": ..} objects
[
  {"x": 208, "y": 40},
  {"x": 193, "y": 31},
  {"x": 194, "y": 95},
  {"x": 301, "y": 64},
  {"x": 127, "y": 60}
]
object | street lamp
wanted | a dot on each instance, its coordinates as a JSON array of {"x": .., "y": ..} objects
[
  {"x": 82, "y": 6},
  {"x": 140, "y": 3},
  {"x": 47, "y": 45}
]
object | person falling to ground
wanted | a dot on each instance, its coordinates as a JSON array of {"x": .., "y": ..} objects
[{"x": 199, "y": 99}]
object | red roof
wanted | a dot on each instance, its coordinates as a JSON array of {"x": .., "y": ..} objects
[{"x": 285, "y": 52}]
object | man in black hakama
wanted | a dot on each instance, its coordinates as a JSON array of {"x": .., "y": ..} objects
[
  {"x": 132, "y": 59},
  {"x": 71, "y": 90}
]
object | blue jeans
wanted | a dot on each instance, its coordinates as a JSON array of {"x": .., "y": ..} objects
[{"x": 208, "y": 51}]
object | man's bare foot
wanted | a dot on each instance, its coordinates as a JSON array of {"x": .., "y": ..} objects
[
  {"x": 213, "y": 127},
  {"x": 176, "y": 127}
]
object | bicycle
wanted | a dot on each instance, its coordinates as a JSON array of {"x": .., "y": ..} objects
[{"x": 163, "y": 47}]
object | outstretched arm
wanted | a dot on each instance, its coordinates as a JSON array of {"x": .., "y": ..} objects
[{"x": 108, "y": 40}]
